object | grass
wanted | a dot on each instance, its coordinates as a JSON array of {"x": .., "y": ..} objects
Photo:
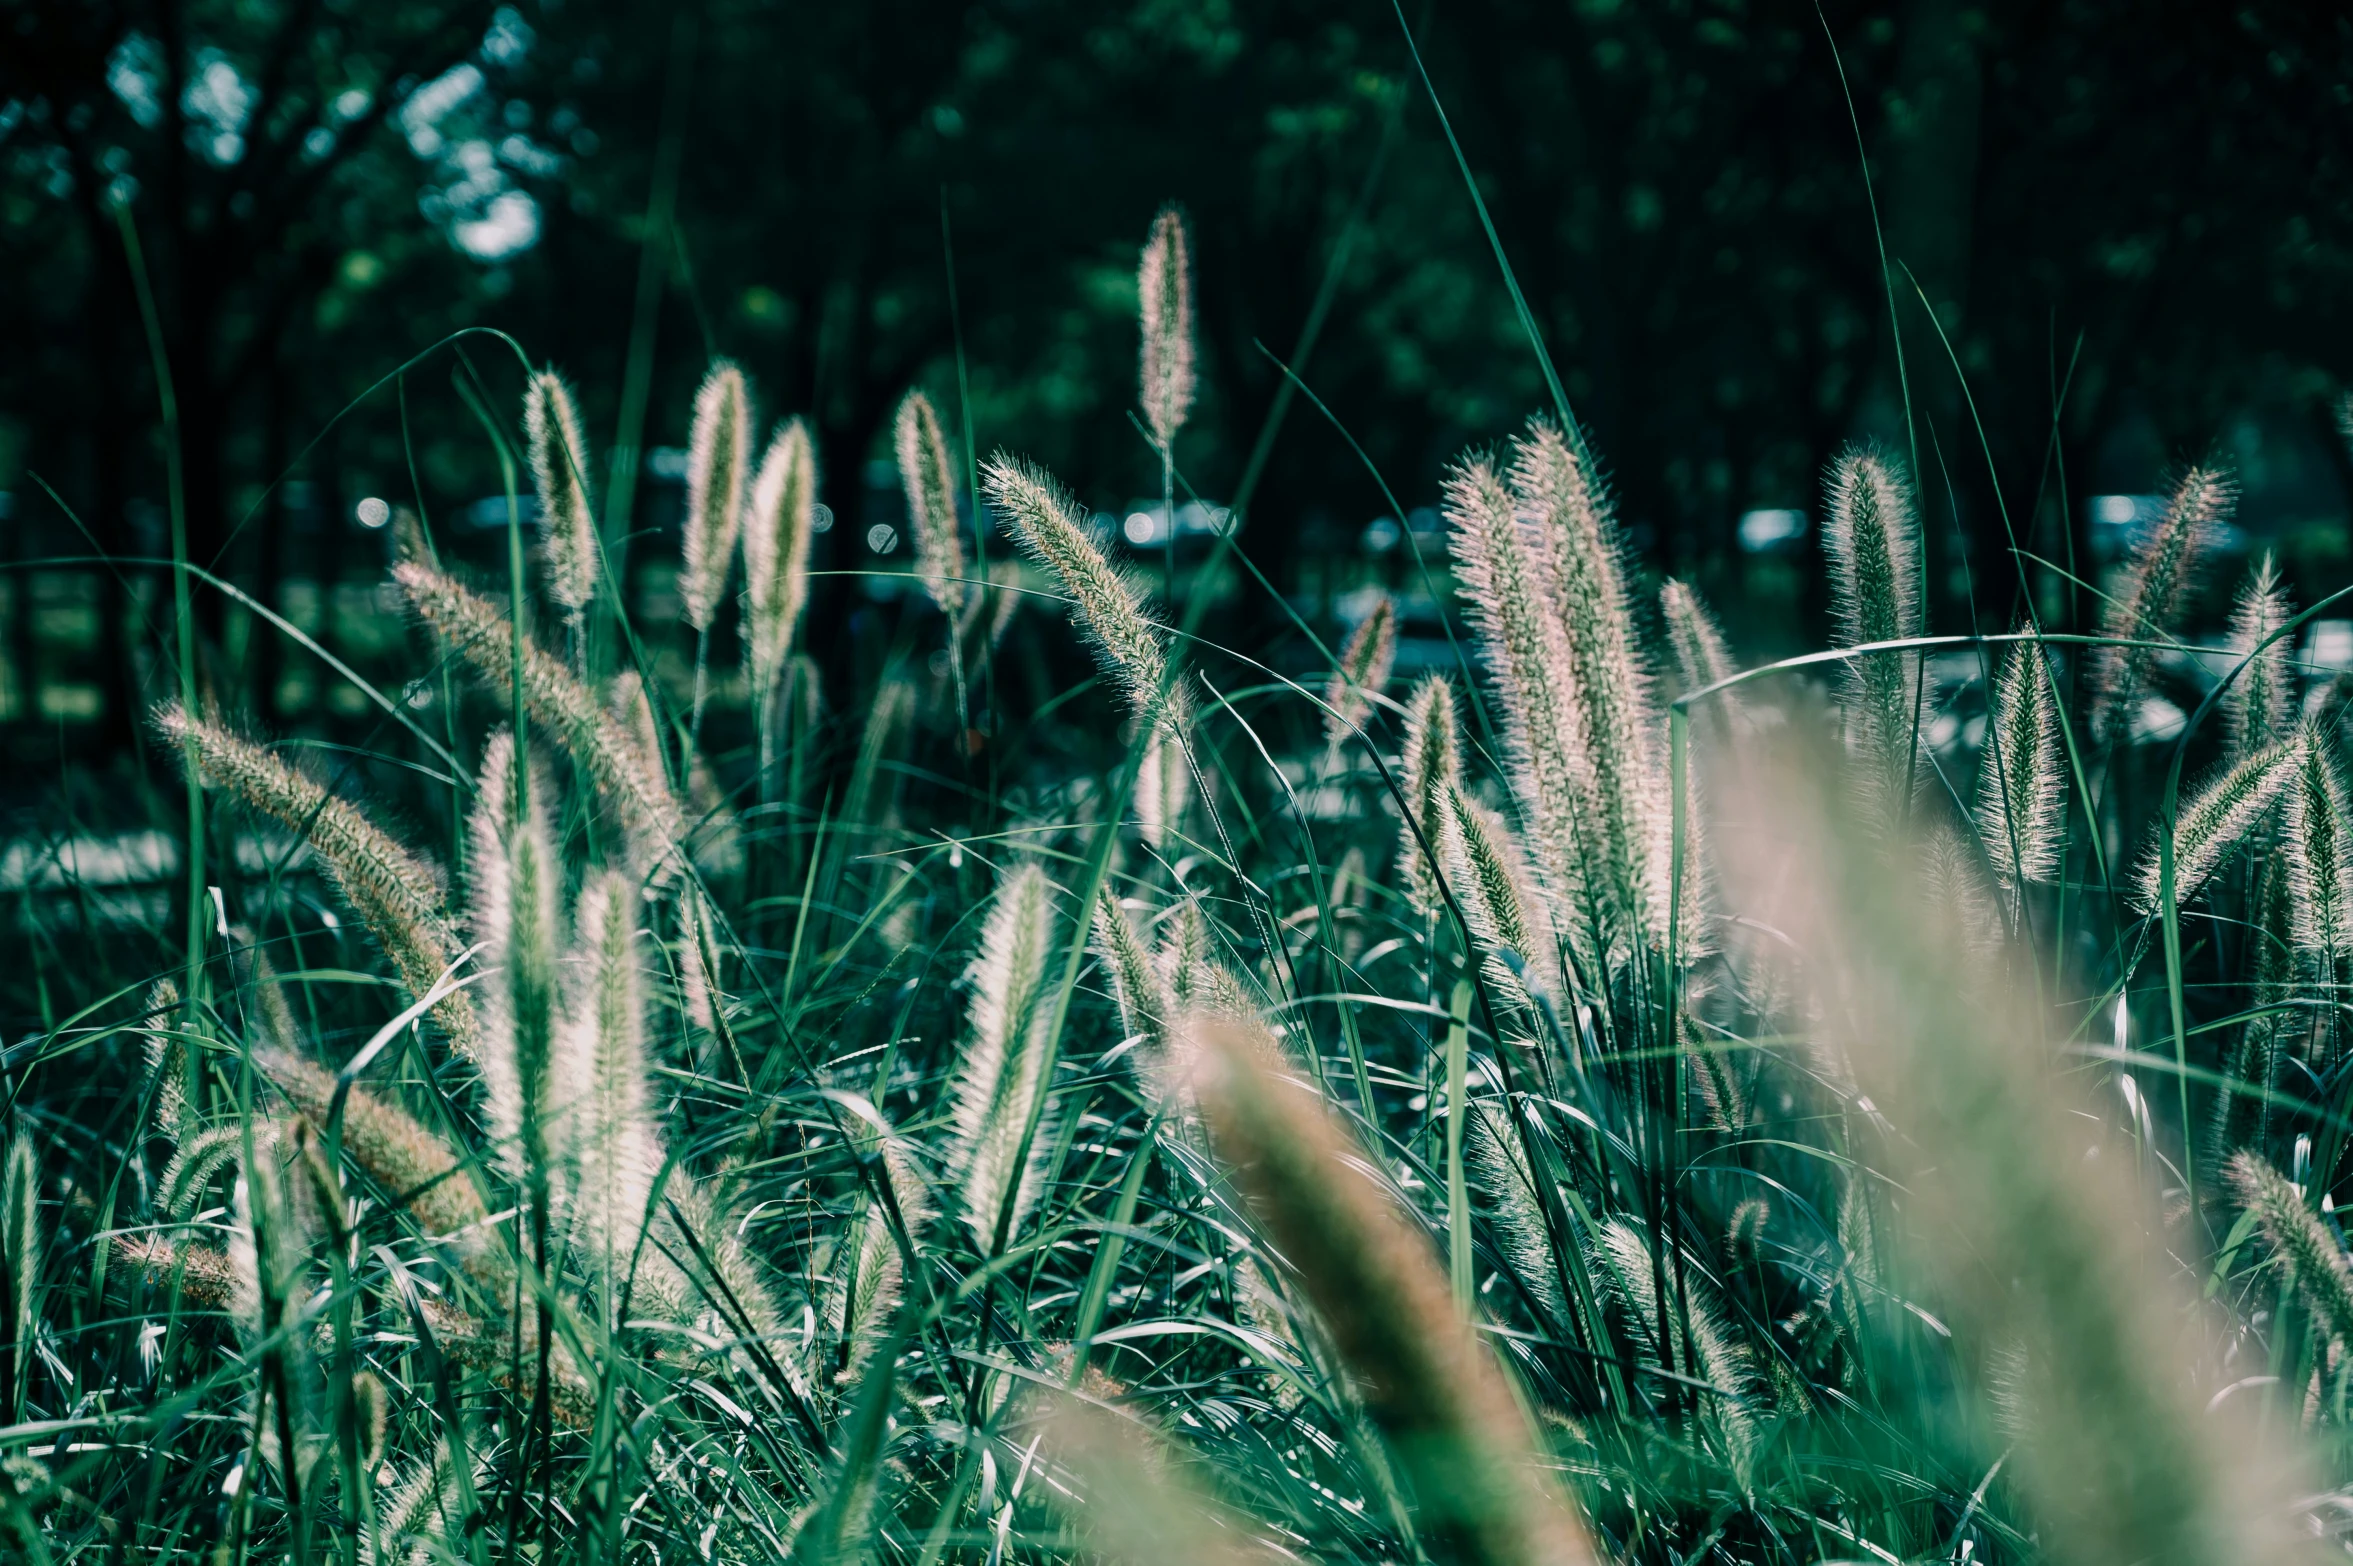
[{"x": 1619, "y": 1108}]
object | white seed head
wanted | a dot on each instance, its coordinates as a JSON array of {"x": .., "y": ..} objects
[
  {"x": 776, "y": 552},
  {"x": 2022, "y": 777},
  {"x": 1365, "y": 661},
  {"x": 1164, "y": 289},
  {"x": 559, "y": 470},
  {"x": 1002, "y": 1072},
  {"x": 2257, "y": 705},
  {"x": 929, "y": 479},
  {"x": 2153, "y": 591},
  {"x": 718, "y": 455}
]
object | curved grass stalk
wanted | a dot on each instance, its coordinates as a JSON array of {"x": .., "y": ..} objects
[{"x": 397, "y": 894}]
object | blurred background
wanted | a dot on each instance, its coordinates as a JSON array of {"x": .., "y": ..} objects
[{"x": 2118, "y": 237}]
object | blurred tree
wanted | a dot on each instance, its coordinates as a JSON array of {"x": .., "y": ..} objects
[{"x": 2155, "y": 198}]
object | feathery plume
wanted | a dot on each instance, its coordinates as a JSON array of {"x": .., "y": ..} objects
[
  {"x": 201, "y": 1155},
  {"x": 2122, "y": 1459},
  {"x": 1134, "y": 1504},
  {"x": 1164, "y": 288},
  {"x": 1363, "y": 672},
  {"x": 1702, "y": 656},
  {"x": 776, "y": 551},
  {"x": 2256, "y": 707},
  {"x": 2307, "y": 1252},
  {"x": 1128, "y": 643},
  {"x": 514, "y": 911},
  {"x": 599, "y": 744},
  {"x": 1721, "y": 1091},
  {"x": 1581, "y": 555},
  {"x": 1429, "y": 1384},
  {"x": 1521, "y": 640},
  {"x": 718, "y": 454},
  {"x": 929, "y": 479},
  {"x": 2022, "y": 780},
  {"x": 559, "y": 469},
  {"x": 1136, "y": 983},
  {"x": 1872, "y": 538},
  {"x": 167, "y": 1062},
  {"x": 416, "y": 1168},
  {"x": 1002, "y": 1072},
  {"x": 1706, "y": 1347},
  {"x": 866, "y": 1298},
  {"x": 2320, "y": 880},
  {"x": 1430, "y": 769},
  {"x": 1164, "y": 783},
  {"x": 21, "y": 1256},
  {"x": 1500, "y": 1163},
  {"x": 2152, "y": 593},
  {"x": 1499, "y": 901},
  {"x": 397, "y": 894},
  {"x": 2217, "y": 820},
  {"x": 602, "y": 1065},
  {"x": 205, "y": 1276}
]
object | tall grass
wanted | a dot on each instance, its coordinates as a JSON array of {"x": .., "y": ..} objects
[{"x": 1261, "y": 1120}]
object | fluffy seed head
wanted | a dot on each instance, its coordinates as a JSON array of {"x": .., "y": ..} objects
[
  {"x": 1427, "y": 1381},
  {"x": 1872, "y": 538},
  {"x": 1164, "y": 782},
  {"x": 718, "y": 454},
  {"x": 2310, "y": 1255},
  {"x": 1580, "y": 552},
  {"x": 2218, "y": 819},
  {"x": 2152, "y": 593},
  {"x": 1164, "y": 288},
  {"x": 1129, "y": 644},
  {"x": 1702, "y": 656},
  {"x": 1499, "y": 900},
  {"x": 601, "y": 1066},
  {"x": 415, "y": 1167},
  {"x": 1429, "y": 768},
  {"x": 1363, "y": 672},
  {"x": 1521, "y": 641},
  {"x": 599, "y": 744},
  {"x": 1137, "y": 984},
  {"x": 2022, "y": 780},
  {"x": 2256, "y": 707},
  {"x": 929, "y": 479},
  {"x": 2320, "y": 880},
  {"x": 559, "y": 470},
  {"x": 396, "y": 893},
  {"x": 1500, "y": 1163},
  {"x": 513, "y": 914},
  {"x": 1002, "y": 1073},
  {"x": 776, "y": 551}
]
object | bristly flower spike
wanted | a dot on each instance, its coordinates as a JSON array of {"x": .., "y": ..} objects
[
  {"x": 1164, "y": 286},
  {"x": 1002, "y": 1072},
  {"x": 2154, "y": 591},
  {"x": 776, "y": 552},
  {"x": 1702, "y": 656},
  {"x": 2213, "y": 824},
  {"x": 559, "y": 470},
  {"x": 1365, "y": 661},
  {"x": 2314, "y": 1261},
  {"x": 397, "y": 894},
  {"x": 929, "y": 479},
  {"x": 1872, "y": 538},
  {"x": 2022, "y": 781},
  {"x": 1581, "y": 555},
  {"x": 718, "y": 457},
  {"x": 1430, "y": 768},
  {"x": 2256, "y": 707},
  {"x": 1129, "y": 644}
]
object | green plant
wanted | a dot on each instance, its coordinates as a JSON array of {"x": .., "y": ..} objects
[{"x": 1251, "y": 1114}]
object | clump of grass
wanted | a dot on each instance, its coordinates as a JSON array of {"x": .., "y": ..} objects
[{"x": 2151, "y": 595}]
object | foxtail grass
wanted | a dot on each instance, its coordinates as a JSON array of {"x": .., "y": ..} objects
[
  {"x": 1871, "y": 538},
  {"x": 1449, "y": 1418},
  {"x": 1001, "y": 1075},
  {"x": 2219, "y": 819},
  {"x": 1363, "y": 673},
  {"x": 2148, "y": 600},
  {"x": 2022, "y": 780},
  {"x": 559, "y": 470},
  {"x": 396, "y": 893},
  {"x": 1164, "y": 288},
  {"x": 2258, "y": 707},
  {"x": 1429, "y": 771}
]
